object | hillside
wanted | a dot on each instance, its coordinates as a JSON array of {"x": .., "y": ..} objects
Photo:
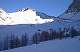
[{"x": 68, "y": 45}]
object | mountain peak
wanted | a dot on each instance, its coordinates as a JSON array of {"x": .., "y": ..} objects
[
  {"x": 25, "y": 9},
  {"x": 2, "y": 11},
  {"x": 24, "y": 16}
]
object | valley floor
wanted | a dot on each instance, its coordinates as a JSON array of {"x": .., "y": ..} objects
[{"x": 64, "y": 45}]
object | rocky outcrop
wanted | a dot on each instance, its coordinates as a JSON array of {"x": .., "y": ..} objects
[{"x": 74, "y": 7}]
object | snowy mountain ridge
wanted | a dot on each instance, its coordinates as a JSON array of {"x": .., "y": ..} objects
[
  {"x": 31, "y": 22},
  {"x": 35, "y": 21},
  {"x": 26, "y": 16}
]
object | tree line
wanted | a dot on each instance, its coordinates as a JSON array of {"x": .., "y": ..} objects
[
  {"x": 53, "y": 34},
  {"x": 14, "y": 41}
]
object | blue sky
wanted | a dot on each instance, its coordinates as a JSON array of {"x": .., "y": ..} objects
[{"x": 50, "y": 7}]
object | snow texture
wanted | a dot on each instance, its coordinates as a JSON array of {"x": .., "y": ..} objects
[
  {"x": 68, "y": 45},
  {"x": 28, "y": 16}
]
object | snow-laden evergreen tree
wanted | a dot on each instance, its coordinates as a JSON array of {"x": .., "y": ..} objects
[
  {"x": 24, "y": 40},
  {"x": 36, "y": 38}
]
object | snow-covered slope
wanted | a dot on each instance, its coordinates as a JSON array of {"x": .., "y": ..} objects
[
  {"x": 27, "y": 16},
  {"x": 73, "y": 11},
  {"x": 72, "y": 14},
  {"x": 68, "y": 45},
  {"x": 74, "y": 7},
  {"x": 43, "y": 15},
  {"x": 26, "y": 21},
  {"x": 30, "y": 21}
]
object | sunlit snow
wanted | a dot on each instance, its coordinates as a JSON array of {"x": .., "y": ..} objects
[{"x": 21, "y": 17}]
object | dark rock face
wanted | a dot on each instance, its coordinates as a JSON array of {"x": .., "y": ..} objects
[{"x": 74, "y": 7}]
